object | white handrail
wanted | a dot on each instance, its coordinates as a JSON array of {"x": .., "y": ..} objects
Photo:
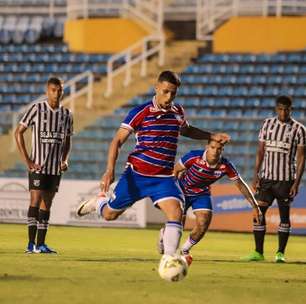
[
  {"x": 51, "y": 9},
  {"x": 74, "y": 92},
  {"x": 148, "y": 11},
  {"x": 212, "y": 13},
  {"x": 136, "y": 53}
]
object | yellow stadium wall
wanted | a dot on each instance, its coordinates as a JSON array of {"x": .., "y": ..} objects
[
  {"x": 261, "y": 34},
  {"x": 102, "y": 35}
]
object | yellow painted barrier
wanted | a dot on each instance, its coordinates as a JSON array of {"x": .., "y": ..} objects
[
  {"x": 261, "y": 34},
  {"x": 107, "y": 35}
]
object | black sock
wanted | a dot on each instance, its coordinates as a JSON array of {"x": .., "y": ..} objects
[
  {"x": 284, "y": 226},
  {"x": 32, "y": 223},
  {"x": 259, "y": 237},
  {"x": 43, "y": 219},
  {"x": 259, "y": 231},
  {"x": 283, "y": 236}
]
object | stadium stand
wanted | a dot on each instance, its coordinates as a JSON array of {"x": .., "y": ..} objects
[
  {"x": 24, "y": 70},
  {"x": 220, "y": 92}
]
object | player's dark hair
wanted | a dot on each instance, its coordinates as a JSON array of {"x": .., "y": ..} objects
[
  {"x": 55, "y": 80},
  {"x": 169, "y": 76},
  {"x": 211, "y": 139},
  {"x": 284, "y": 100}
]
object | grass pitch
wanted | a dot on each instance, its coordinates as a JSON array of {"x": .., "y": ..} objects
[{"x": 99, "y": 265}]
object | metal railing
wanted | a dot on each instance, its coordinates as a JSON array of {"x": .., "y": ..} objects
[
  {"x": 51, "y": 9},
  {"x": 89, "y": 8},
  {"x": 136, "y": 53},
  {"x": 74, "y": 92},
  {"x": 147, "y": 11},
  {"x": 212, "y": 13}
]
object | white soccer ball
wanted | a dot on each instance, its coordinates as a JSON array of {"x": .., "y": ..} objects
[{"x": 173, "y": 268}]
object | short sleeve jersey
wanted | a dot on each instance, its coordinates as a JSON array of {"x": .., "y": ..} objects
[
  {"x": 198, "y": 177},
  {"x": 156, "y": 131}
]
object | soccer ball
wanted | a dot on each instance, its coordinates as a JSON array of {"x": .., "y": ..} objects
[{"x": 173, "y": 268}]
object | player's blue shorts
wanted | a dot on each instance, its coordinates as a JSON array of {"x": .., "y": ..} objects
[
  {"x": 198, "y": 202},
  {"x": 132, "y": 187}
]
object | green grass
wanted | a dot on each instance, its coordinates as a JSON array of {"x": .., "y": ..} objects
[{"x": 117, "y": 266}]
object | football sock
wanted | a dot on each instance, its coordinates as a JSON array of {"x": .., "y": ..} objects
[
  {"x": 284, "y": 226},
  {"x": 172, "y": 236},
  {"x": 188, "y": 245},
  {"x": 102, "y": 202},
  {"x": 43, "y": 223},
  {"x": 283, "y": 235},
  {"x": 32, "y": 223},
  {"x": 259, "y": 231}
]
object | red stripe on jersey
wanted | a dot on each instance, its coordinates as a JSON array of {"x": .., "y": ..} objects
[
  {"x": 146, "y": 168},
  {"x": 160, "y": 156}
]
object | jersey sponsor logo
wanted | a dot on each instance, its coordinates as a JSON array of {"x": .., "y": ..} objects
[
  {"x": 217, "y": 173},
  {"x": 48, "y": 137},
  {"x": 276, "y": 146}
]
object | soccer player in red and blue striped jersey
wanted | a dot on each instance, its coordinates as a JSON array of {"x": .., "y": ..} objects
[
  {"x": 196, "y": 171},
  {"x": 157, "y": 125}
]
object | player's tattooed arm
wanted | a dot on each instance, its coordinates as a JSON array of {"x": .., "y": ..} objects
[
  {"x": 246, "y": 191},
  {"x": 196, "y": 133}
]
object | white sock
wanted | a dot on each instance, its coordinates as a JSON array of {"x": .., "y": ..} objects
[
  {"x": 188, "y": 245},
  {"x": 172, "y": 236},
  {"x": 102, "y": 202}
]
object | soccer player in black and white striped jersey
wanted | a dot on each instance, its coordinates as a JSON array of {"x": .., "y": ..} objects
[
  {"x": 280, "y": 163},
  {"x": 52, "y": 127}
]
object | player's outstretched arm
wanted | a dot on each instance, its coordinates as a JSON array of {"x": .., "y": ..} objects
[
  {"x": 19, "y": 137},
  {"x": 196, "y": 133},
  {"x": 300, "y": 160},
  {"x": 259, "y": 158},
  {"x": 113, "y": 152},
  {"x": 246, "y": 191}
]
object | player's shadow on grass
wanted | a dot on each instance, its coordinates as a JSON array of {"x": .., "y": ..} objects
[{"x": 118, "y": 260}]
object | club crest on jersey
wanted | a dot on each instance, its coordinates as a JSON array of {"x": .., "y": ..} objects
[{"x": 36, "y": 182}]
